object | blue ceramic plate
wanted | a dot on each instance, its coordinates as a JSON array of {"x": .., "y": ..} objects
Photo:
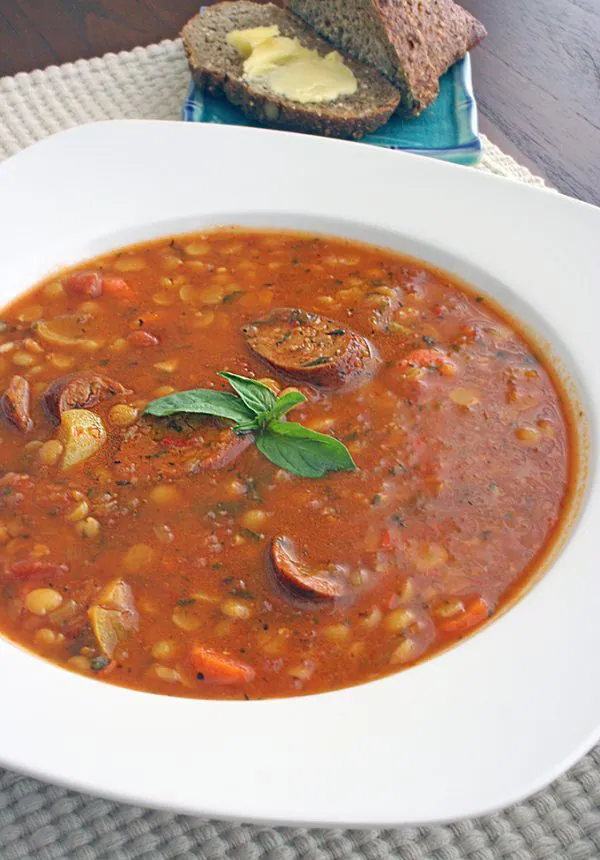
[{"x": 447, "y": 129}]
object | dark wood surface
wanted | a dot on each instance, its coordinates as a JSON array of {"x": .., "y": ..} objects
[{"x": 537, "y": 76}]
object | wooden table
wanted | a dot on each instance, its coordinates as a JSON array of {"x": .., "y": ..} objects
[{"x": 537, "y": 76}]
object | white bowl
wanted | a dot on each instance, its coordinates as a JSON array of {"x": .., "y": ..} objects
[{"x": 474, "y": 729}]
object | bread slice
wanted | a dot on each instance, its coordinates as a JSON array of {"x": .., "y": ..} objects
[
  {"x": 218, "y": 67},
  {"x": 412, "y": 42}
]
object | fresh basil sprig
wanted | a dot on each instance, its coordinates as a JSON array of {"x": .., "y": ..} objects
[
  {"x": 202, "y": 401},
  {"x": 255, "y": 395},
  {"x": 286, "y": 402},
  {"x": 302, "y": 451},
  {"x": 257, "y": 410}
]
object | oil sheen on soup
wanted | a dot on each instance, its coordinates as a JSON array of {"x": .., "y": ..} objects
[{"x": 173, "y": 554}]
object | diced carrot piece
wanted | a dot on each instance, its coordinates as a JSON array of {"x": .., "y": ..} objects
[
  {"x": 217, "y": 668},
  {"x": 474, "y": 614},
  {"x": 117, "y": 287}
]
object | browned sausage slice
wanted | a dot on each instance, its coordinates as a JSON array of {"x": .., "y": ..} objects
[
  {"x": 299, "y": 576},
  {"x": 15, "y": 404},
  {"x": 311, "y": 348},
  {"x": 226, "y": 448},
  {"x": 80, "y": 391},
  {"x": 199, "y": 444}
]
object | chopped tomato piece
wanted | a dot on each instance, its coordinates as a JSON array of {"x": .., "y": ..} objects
[
  {"x": 386, "y": 541},
  {"x": 28, "y": 568},
  {"x": 474, "y": 614},
  {"x": 86, "y": 284},
  {"x": 142, "y": 338},
  {"x": 217, "y": 668}
]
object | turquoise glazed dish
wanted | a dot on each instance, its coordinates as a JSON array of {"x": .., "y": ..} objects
[{"x": 446, "y": 130}]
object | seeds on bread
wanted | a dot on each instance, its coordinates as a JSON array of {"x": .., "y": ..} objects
[
  {"x": 218, "y": 68},
  {"x": 412, "y": 42}
]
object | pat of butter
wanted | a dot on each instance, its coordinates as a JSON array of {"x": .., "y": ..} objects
[
  {"x": 245, "y": 41},
  {"x": 289, "y": 69}
]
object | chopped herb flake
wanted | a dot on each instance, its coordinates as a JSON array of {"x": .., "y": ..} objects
[
  {"x": 316, "y": 362},
  {"x": 251, "y": 534},
  {"x": 231, "y": 297}
]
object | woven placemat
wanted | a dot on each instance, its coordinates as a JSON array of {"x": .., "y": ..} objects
[{"x": 44, "y": 822}]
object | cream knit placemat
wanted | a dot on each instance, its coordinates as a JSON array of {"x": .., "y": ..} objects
[
  {"x": 44, "y": 822},
  {"x": 146, "y": 83}
]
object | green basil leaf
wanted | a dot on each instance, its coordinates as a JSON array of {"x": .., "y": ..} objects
[
  {"x": 202, "y": 401},
  {"x": 255, "y": 395},
  {"x": 286, "y": 402},
  {"x": 302, "y": 451}
]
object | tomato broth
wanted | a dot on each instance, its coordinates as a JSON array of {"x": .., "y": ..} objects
[{"x": 169, "y": 552}]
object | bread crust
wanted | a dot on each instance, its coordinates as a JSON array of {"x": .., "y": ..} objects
[{"x": 417, "y": 40}]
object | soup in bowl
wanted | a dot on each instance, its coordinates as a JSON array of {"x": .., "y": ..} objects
[{"x": 247, "y": 464}]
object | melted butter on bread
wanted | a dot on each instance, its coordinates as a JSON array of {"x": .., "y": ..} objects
[{"x": 289, "y": 69}]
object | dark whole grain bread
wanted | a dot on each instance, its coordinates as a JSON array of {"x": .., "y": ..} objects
[
  {"x": 412, "y": 42},
  {"x": 218, "y": 68}
]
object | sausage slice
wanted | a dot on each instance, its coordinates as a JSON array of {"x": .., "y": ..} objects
[
  {"x": 311, "y": 348},
  {"x": 15, "y": 404},
  {"x": 80, "y": 391},
  {"x": 199, "y": 444},
  {"x": 225, "y": 448},
  {"x": 299, "y": 576}
]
